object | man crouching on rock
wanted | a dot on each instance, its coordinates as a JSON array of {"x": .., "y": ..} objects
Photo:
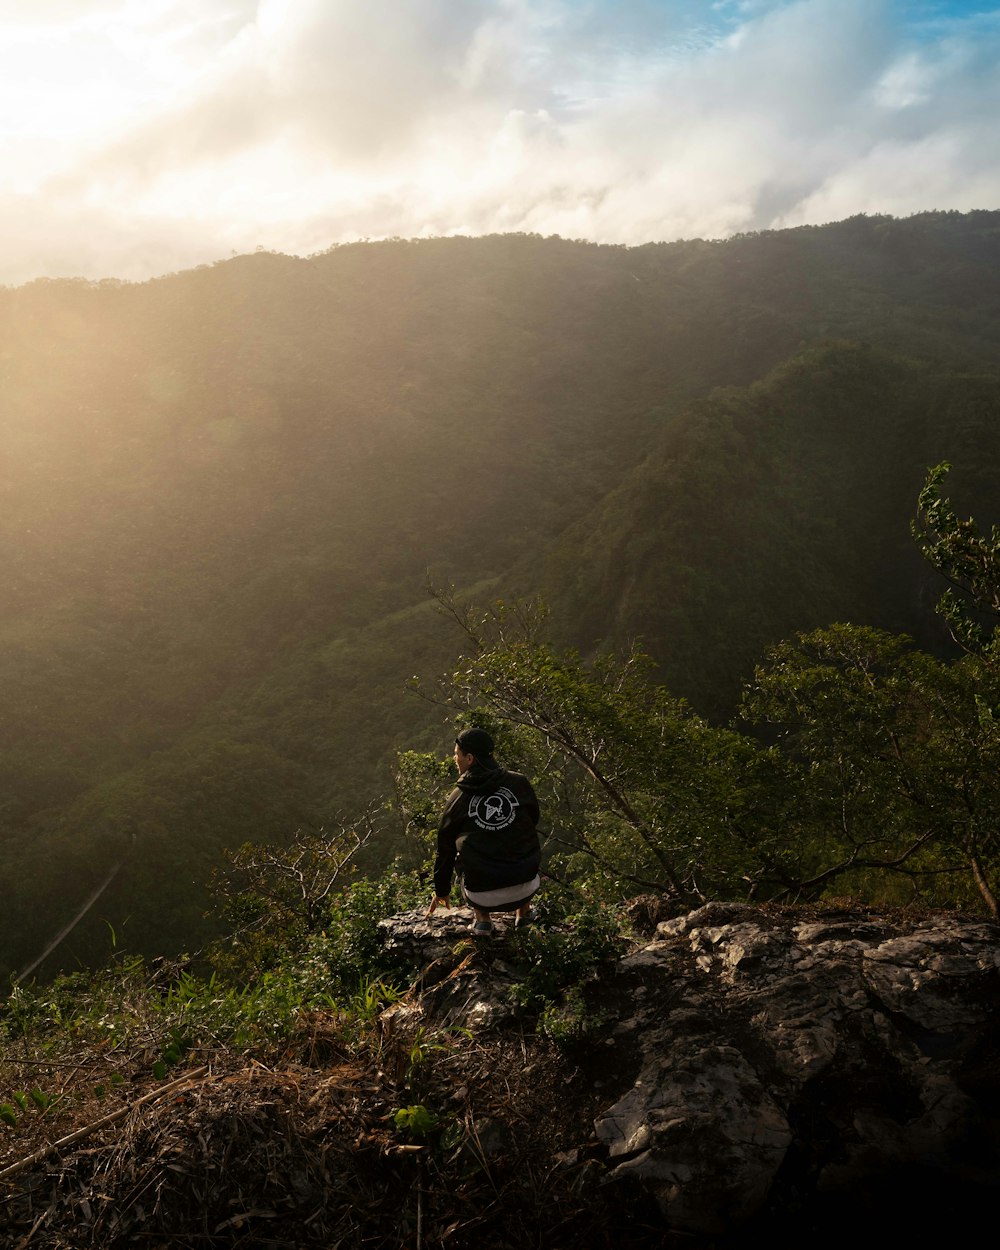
[{"x": 489, "y": 825}]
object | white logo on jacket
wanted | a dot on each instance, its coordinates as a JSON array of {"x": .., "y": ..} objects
[{"x": 493, "y": 811}]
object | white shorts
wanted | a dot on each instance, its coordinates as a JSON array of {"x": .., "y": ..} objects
[{"x": 488, "y": 900}]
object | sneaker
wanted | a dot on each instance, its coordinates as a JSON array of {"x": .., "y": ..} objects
[
  {"x": 482, "y": 928},
  {"x": 522, "y": 922}
]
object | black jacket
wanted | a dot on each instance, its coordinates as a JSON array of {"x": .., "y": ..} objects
[{"x": 489, "y": 824}]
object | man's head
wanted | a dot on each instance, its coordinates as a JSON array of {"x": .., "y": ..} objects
[{"x": 473, "y": 745}]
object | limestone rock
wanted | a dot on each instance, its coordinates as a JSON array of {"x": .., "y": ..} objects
[
  {"x": 847, "y": 1035},
  {"x": 768, "y": 1052},
  {"x": 454, "y": 988}
]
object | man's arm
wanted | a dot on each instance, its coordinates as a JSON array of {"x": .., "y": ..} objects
[{"x": 444, "y": 863}]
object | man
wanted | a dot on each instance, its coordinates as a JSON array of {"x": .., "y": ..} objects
[{"x": 489, "y": 826}]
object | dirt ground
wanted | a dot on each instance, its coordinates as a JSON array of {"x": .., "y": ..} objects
[{"x": 302, "y": 1149}]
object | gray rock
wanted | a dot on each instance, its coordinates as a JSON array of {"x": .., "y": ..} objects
[
  {"x": 455, "y": 988},
  {"x": 757, "y": 1049},
  {"x": 417, "y": 938}
]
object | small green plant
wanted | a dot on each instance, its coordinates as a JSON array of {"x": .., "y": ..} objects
[
  {"x": 26, "y": 1101},
  {"x": 417, "y": 1120},
  {"x": 370, "y": 998},
  {"x": 424, "y": 1044},
  {"x": 571, "y": 1022},
  {"x": 562, "y": 958},
  {"x": 103, "y": 1088},
  {"x": 41, "y": 1100}
]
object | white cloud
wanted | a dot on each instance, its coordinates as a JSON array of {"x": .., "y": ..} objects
[{"x": 191, "y": 127}]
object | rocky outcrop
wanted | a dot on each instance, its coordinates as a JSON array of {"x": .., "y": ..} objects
[
  {"x": 463, "y": 982},
  {"x": 757, "y": 1058}
]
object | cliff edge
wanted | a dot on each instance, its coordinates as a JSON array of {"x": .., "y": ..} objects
[{"x": 740, "y": 1073}]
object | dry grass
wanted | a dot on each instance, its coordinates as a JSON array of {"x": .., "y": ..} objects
[{"x": 300, "y": 1149}]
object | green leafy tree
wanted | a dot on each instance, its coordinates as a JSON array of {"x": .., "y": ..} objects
[
  {"x": 969, "y": 559},
  {"x": 421, "y": 784},
  {"x": 272, "y": 898},
  {"x": 642, "y": 792},
  {"x": 894, "y": 761}
]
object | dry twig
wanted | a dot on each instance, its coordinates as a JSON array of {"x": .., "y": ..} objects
[{"x": 88, "y": 1129}]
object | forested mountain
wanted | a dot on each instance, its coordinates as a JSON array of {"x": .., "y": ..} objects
[
  {"x": 223, "y": 491},
  {"x": 774, "y": 508}
]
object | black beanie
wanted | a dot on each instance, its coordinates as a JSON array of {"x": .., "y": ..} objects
[{"x": 477, "y": 742}]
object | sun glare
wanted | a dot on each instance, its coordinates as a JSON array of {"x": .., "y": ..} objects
[{"x": 79, "y": 84}]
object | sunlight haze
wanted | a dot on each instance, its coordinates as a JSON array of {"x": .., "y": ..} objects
[{"x": 143, "y": 136}]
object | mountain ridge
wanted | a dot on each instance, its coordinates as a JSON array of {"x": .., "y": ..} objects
[{"x": 222, "y": 488}]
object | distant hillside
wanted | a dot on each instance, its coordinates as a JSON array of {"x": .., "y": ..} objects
[
  {"x": 222, "y": 492},
  {"x": 772, "y": 509}
]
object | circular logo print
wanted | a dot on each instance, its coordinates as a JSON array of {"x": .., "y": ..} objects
[{"x": 494, "y": 811}]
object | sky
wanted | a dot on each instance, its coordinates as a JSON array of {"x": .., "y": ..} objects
[{"x": 139, "y": 137}]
